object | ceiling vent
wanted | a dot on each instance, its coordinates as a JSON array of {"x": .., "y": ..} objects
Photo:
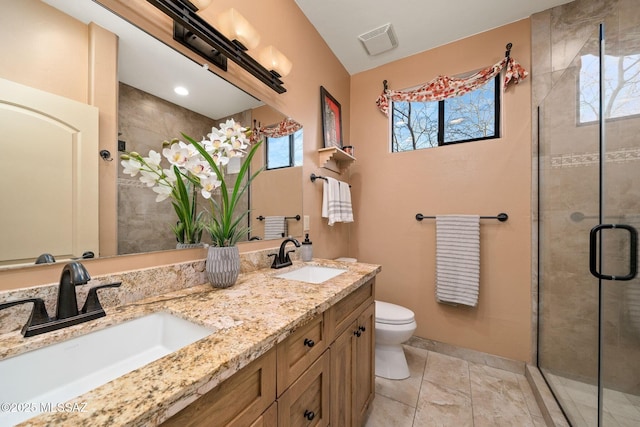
[{"x": 379, "y": 40}]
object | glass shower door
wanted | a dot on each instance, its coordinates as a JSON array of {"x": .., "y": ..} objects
[
  {"x": 620, "y": 207},
  {"x": 589, "y": 195},
  {"x": 568, "y": 295}
]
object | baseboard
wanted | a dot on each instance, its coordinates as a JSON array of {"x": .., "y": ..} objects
[{"x": 474, "y": 356}]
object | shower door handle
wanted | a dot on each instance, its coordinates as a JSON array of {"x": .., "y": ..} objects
[{"x": 633, "y": 251}]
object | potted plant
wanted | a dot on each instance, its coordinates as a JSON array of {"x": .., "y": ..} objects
[
  {"x": 225, "y": 225},
  {"x": 201, "y": 166}
]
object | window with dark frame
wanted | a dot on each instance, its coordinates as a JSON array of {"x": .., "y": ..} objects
[
  {"x": 284, "y": 151},
  {"x": 474, "y": 116}
]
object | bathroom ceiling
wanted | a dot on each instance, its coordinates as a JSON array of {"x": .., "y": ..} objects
[{"x": 419, "y": 25}]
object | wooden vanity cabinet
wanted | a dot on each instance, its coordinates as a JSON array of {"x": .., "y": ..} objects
[
  {"x": 322, "y": 374},
  {"x": 352, "y": 357}
]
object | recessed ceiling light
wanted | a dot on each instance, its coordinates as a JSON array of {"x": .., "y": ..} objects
[{"x": 181, "y": 90}]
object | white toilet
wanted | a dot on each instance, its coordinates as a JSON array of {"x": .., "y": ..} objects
[{"x": 394, "y": 325}]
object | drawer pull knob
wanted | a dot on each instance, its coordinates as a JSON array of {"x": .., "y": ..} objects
[
  {"x": 309, "y": 415},
  {"x": 357, "y": 333},
  {"x": 362, "y": 328},
  {"x": 309, "y": 343}
]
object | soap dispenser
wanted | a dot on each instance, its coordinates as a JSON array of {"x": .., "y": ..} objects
[{"x": 306, "y": 252}]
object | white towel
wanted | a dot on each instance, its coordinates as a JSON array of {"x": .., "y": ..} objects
[
  {"x": 458, "y": 259},
  {"x": 336, "y": 201},
  {"x": 275, "y": 227}
]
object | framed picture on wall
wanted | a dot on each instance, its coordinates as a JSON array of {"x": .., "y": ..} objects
[{"x": 331, "y": 119}]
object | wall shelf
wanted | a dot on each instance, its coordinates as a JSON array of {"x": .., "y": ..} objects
[{"x": 334, "y": 159}]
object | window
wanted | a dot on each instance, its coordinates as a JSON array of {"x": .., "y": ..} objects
[
  {"x": 471, "y": 117},
  {"x": 622, "y": 87},
  {"x": 284, "y": 151}
]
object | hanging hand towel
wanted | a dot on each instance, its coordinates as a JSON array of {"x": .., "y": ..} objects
[
  {"x": 336, "y": 201},
  {"x": 346, "y": 210},
  {"x": 275, "y": 227},
  {"x": 331, "y": 200},
  {"x": 458, "y": 259}
]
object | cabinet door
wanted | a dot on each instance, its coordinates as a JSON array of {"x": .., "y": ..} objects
[
  {"x": 364, "y": 364},
  {"x": 343, "y": 361},
  {"x": 306, "y": 402},
  {"x": 238, "y": 401},
  {"x": 269, "y": 418}
]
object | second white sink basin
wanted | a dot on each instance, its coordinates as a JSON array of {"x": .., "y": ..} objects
[
  {"x": 312, "y": 274},
  {"x": 62, "y": 371}
]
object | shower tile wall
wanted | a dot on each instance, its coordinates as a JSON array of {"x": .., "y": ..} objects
[
  {"x": 144, "y": 121},
  {"x": 568, "y": 293}
]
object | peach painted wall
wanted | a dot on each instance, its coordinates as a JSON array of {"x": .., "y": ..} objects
[
  {"x": 282, "y": 24},
  {"x": 484, "y": 177}
]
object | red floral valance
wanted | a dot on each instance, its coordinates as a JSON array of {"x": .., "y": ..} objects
[
  {"x": 443, "y": 87},
  {"x": 285, "y": 127}
]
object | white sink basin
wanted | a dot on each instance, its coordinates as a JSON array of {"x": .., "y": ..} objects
[
  {"x": 62, "y": 371},
  {"x": 312, "y": 274}
]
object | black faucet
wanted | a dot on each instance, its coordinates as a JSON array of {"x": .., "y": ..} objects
[
  {"x": 282, "y": 259},
  {"x": 73, "y": 274}
]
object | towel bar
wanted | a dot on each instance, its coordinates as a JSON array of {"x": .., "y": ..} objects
[
  {"x": 324, "y": 178},
  {"x": 502, "y": 217},
  {"x": 297, "y": 217}
]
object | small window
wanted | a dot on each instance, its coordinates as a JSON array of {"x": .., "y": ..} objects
[
  {"x": 284, "y": 151},
  {"x": 471, "y": 117}
]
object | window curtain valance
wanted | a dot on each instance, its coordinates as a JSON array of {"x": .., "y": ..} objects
[
  {"x": 443, "y": 87},
  {"x": 285, "y": 127}
]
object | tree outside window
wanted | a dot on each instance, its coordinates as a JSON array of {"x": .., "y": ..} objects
[{"x": 470, "y": 117}]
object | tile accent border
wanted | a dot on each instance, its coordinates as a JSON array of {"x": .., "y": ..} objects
[{"x": 591, "y": 159}]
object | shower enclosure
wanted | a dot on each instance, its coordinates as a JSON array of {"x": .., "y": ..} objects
[{"x": 588, "y": 213}]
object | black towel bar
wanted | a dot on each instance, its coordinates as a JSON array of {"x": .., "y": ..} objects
[
  {"x": 324, "y": 178},
  {"x": 502, "y": 217},
  {"x": 297, "y": 217}
]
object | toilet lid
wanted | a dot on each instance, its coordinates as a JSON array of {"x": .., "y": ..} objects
[{"x": 393, "y": 314}]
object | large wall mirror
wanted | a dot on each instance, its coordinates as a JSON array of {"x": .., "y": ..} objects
[{"x": 148, "y": 112}]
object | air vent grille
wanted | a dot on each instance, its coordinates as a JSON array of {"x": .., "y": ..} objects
[{"x": 379, "y": 40}]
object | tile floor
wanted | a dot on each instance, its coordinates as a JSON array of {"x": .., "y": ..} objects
[
  {"x": 450, "y": 392},
  {"x": 581, "y": 402}
]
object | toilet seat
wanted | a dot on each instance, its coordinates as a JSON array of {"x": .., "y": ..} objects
[{"x": 392, "y": 314}]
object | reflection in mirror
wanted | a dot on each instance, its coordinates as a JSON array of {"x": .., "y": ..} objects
[{"x": 149, "y": 112}]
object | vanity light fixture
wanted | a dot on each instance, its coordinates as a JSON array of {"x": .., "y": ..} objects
[
  {"x": 237, "y": 28},
  {"x": 198, "y": 35},
  {"x": 275, "y": 61}
]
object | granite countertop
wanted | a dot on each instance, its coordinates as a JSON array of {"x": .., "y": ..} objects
[{"x": 248, "y": 318}]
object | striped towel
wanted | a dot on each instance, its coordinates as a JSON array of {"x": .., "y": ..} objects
[
  {"x": 458, "y": 259},
  {"x": 336, "y": 201},
  {"x": 275, "y": 227}
]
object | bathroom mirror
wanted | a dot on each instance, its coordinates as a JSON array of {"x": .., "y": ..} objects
[{"x": 138, "y": 100}]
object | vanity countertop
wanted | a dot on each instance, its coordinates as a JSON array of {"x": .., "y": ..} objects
[{"x": 249, "y": 318}]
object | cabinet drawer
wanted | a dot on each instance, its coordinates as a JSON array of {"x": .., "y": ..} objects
[
  {"x": 238, "y": 401},
  {"x": 299, "y": 350},
  {"x": 306, "y": 402},
  {"x": 344, "y": 312}
]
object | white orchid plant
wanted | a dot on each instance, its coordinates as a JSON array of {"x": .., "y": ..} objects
[{"x": 199, "y": 166}]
